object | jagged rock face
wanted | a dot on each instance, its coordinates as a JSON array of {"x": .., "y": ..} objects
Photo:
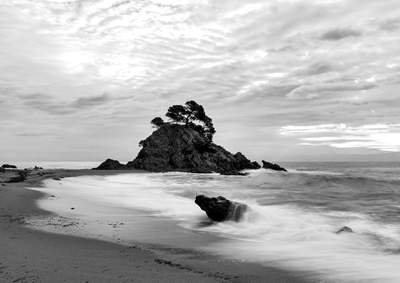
[
  {"x": 179, "y": 148},
  {"x": 269, "y": 165},
  {"x": 220, "y": 208},
  {"x": 111, "y": 164}
]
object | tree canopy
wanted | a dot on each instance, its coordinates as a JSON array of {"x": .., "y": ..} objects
[
  {"x": 189, "y": 114},
  {"x": 157, "y": 122}
]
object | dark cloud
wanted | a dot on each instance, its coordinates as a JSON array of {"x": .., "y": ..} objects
[
  {"x": 90, "y": 101},
  {"x": 46, "y": 103},
  {"x": 340, "y": 33},
  {"x": 391, "y": 24},
  {"x": 320, "y": 67},
  {"x": 32, "y": 134},
  {"x": 281, "y": 49},
  {"x": 35, "y": 96},
  {"x": 51, "y": 107}
]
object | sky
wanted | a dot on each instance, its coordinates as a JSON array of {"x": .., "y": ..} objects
[{"x": 283, "y": 80}]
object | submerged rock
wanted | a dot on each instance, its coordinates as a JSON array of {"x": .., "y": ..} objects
[
  {"x": 269, "y": 165},
  {"x": 220, "y": 208},
  {"x": 344, "y": 229},
  {"x": 175, "y": 147}
]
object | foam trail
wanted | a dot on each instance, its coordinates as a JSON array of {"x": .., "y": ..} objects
[{"x": 293, "y": 232}]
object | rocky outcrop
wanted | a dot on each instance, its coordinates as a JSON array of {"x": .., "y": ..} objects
[
  {"x": 8, "y": 166},
  {"x": 246, "y": 163},
  {"x": 220, "y": 208},
  {"x": 111, "y": 164},
  {"x": 175, "y": 147},
  {"x": 268, "y": 165}
]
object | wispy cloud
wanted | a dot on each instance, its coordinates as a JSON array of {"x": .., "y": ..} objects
[
  {"x": 340, "y": 33},
  {"x": 83, "y": 102},
  {"x": 314, "y": 91},
  {"x": 383, "y": 137}
]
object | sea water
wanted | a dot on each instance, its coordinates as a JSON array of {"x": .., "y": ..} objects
[
  {"x": 293, "y": 219},
  {"x": 54, "y": 164}
]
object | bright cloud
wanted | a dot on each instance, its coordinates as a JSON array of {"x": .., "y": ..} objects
[{"x": 379, "y": 136}]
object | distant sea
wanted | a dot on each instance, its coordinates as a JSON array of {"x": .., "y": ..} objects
[
  {"x": 54, "y": 164},
  {"x": 294, "y": 214}
]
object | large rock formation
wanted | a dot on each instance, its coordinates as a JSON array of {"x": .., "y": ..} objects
[
  {"x": 175, "y": 147},
  {"x": 220, "y": 208},
  {"x": 269, "y": 165}
]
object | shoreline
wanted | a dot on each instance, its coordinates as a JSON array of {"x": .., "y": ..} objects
[{"x": 32, "y": 255}]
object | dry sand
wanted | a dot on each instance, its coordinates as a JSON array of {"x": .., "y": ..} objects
[{"x": 75, "y": 253}]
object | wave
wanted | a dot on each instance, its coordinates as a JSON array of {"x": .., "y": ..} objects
[{"x": 292, "y": 222}]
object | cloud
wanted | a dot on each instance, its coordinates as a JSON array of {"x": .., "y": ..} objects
[
  {"x": 30, "y": 133},
  {"x": 241, "y": 60},
  {"x": 321, "y": 67},
  {"x": 373, "y": 128},
  {"x": 83, "y": 102},
  {"x": 340, "y": 33},
  {"x": 391, "y": 24},
  {"x": 383, "y": 137},
  {"x": 312, "y": 129},
  {"x": 314, "y": 91},
  {"x": 46, "y": 103}
]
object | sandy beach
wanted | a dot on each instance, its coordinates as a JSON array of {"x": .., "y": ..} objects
[{"x": 39, "y": 246}]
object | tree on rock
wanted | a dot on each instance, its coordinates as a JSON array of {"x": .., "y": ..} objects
[
  {"x": 188, "y": 114},
  {"x": 157, "y": 122}
]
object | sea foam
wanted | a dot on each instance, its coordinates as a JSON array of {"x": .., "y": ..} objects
[{"x": 282, "y": 229}]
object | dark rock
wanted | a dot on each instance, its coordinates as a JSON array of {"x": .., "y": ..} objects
[
  {"x": 344, "y": 229},
  {"x": 37, "y": 168},
  {"x": 220, "y": 208},
  {"x": 8, "y": 166},
  {"x": 2, "y": 170},
  {"x": 21, "y": 177},
  {"x": 243, "y": 162},
  {"x": 111, "y": 164},
  {"x": 175, "y": 147},
  {"x": 268, "y": 165}
]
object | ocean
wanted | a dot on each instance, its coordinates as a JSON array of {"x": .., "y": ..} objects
[{"x": 293, "y": 219}]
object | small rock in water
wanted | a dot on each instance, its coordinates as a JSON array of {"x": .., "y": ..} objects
[
  {"x": 345, "y": 229},
  {"x": 9, "y": 166},
  {"x": 220, "y": 208},
  {"x": 269, "y": 165}
]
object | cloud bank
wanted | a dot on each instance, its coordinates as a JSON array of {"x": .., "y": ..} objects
[{"x": 81, "y": 71}]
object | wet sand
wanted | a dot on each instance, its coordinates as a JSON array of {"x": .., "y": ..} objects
[{"x": 104, "y": 244}]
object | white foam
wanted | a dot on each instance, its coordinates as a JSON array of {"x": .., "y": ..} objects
[{"x": 286, "y": 235}]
